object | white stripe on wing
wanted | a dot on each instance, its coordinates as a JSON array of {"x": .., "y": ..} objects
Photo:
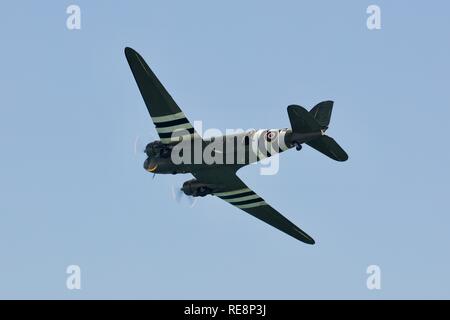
[
  {"x": 229, "y": 193},
  {"x": 239, "y": 199},
  {"x": 169, "y": 117},
  {"x": 252, "y": 205},
  {"x": 173, "y": 128}
]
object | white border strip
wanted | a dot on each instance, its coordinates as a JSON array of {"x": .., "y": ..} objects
[
  {"x": 170, "y": 117},
  {"x": 173, "y": 128},
  {"x": 245, "y": 198},
  {"x": 252, "y": 205},
  {"x": 229, "y": 193}
]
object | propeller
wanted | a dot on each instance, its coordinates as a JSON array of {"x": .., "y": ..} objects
[
  {"x": 141, "y": 141},
  {"x": 178, "y": 195},
  {"x": 139, "y": 147}
]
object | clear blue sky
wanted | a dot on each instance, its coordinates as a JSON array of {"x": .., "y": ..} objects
[{"x": 72, "y": 190}]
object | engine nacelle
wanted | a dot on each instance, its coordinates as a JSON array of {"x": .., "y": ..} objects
[
  {"x": 196, "y": 189},
  {"x": 157, "y": 148}
]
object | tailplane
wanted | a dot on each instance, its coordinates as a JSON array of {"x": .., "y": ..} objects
[
  {"x": 329, "y": 147},
  {"x": 309, "y": 127}
]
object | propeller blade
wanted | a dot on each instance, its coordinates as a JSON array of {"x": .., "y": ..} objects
[
  {"x": 138, "y": 147},
  {"x": 141, "y": 141},
  {"x": 192, "y": 200},
  {"x": 178, "y": 195}
]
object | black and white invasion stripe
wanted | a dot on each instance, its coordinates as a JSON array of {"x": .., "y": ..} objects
[
  {"x": 242, "y": 198},
  {"x": 173, "y": 126},
  {"x": 270, "y": 147}
]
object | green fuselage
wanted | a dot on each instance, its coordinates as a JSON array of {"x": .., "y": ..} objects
[{"x": 236, "y": 150}]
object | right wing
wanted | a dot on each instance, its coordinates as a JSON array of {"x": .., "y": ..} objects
[
  {"x": 235, "y": 192},
  {"x": 169, "y": 120}
]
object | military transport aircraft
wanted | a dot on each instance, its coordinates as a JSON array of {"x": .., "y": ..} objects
[{"x": 219, "y": 178}]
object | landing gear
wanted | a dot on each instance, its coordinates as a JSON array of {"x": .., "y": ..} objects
[{"x": 298, "y": 146}]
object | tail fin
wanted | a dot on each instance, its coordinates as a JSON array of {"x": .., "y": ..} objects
[
  {"x": 302, "y": 121},
  {"x": 316, "y": 121}
]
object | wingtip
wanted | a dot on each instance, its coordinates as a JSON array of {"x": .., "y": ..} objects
[
  {"x": 309, "y": 241},
  {"x": 128, "y": 51},
  {"x": 343, "y": 157},
  {"x": 303, "y": 237}
]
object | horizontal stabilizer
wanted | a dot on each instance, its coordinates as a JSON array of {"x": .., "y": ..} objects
[{"x": 329, "y": 147}]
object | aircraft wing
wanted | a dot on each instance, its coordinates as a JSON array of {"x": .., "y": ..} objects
[
  {"x": 169, "y": 120},
  {"x": 235, "y": 192}
]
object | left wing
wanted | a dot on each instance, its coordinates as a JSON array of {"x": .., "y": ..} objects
[
  {"x": 235, "y": 192},
  {"x": 169, "y": 120}
]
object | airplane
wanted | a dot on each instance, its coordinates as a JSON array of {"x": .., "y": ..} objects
[{"x": 218, "y": 178}]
